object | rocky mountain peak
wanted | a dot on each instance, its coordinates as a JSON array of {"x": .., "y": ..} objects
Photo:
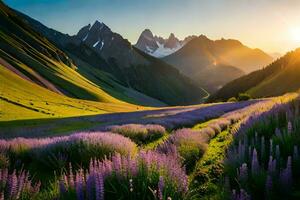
[
  {"x": 172, "y": 42},
  {"x": 147, "y": 34}
]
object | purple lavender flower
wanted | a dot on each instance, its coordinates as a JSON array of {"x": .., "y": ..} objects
[
  {"x": 79, "y": 185},
  {"x": 15, "y": 184},
  {"x": 167, "y": 166},
  {"x": 12, "y": 184},
  {"x": 254, "y": 163},
  {"x": 99, "y": 187},
  {"x": 160, "y": 188},
  {"x": 243, "y": 175},
  {"x": 290, "y": 128}
]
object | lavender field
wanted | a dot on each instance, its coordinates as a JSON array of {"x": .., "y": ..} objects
[{"x": 244, "y": 150}]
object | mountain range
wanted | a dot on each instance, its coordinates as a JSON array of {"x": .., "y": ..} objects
[
  {"x": 211, "y": 64},
  {"x": 277, "y": 78}
]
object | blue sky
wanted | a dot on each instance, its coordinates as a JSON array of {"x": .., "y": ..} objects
[{"x": 272, "y": 25}]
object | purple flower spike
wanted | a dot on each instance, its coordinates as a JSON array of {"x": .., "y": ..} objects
[
  {"x": 244, "y": 172},
  {"x": 99, "y": 187},
  {"x": 160, "y": 188},
  {"x": 290, "y": 128},
  {"x": 79, "y": 185},
  {"x": 286, "y": 175},
  {"x": 254, "y": 163}
]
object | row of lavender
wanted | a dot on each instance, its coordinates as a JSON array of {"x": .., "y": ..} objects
[
  {"x": 117, "y": 169},
  {"x": 263, "y": 163},
  {"x": 191, "y": 143},
  {"x": 189, "y": 117}
]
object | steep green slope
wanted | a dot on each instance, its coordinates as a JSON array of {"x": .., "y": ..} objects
[
  {"x": 128, "y": 65},
  {"x": 23, "y": 99},
  {"x": 34, "y": 57},
  {"x": 41, "y": 61},
  {"x": 280, "y": 77}
]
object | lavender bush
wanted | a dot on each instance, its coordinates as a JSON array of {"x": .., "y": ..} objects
[
  {"x": 139, "y": 133},
  {"x": 150, "y": 175},
  {"x": 55, "y": 153},
  {"x": 190, "y": 144}
]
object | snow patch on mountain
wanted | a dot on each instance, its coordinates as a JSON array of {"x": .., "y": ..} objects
[
  {"x": 162, "y": 51},
  {"x": 159, "y": 47},
  {"x": 102, "y": 44},
  {"x": 85, "y": 37},
  {"x": 96, "y": 43}
]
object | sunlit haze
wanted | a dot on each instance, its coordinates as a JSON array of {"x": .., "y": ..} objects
[{"x": 272, "y": 25}]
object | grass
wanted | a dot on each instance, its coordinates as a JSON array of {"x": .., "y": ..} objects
[
  {"x": 203, "y": 125},
  {"x": 209, "y": 169},
  {"x": 155, "y": 143},
  {"x": 21, "y": 99}
]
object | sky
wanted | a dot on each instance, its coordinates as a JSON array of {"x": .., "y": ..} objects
[{"x": 272, "y": 25}]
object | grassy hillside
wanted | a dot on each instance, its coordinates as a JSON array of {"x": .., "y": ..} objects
[
  {"x": 23, "y": 99},
  {"x": 32, "y": 56},
  {"x": 270, "y": 81}
]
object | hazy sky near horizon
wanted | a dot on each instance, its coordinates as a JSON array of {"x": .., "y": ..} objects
[{"x": 272, "y": 25}]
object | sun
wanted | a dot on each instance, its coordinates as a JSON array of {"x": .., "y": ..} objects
[{"x": 295, "y": 34}]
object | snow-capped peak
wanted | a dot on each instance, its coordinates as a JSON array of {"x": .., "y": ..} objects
[{"x": 156, "y": 45}]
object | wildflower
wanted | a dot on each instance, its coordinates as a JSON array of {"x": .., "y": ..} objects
[
  {"x": 254, "y": 163},
  {"x": 290, "y": 127},
  {"x": 79, "y": 185},
  {"x": 160, "y": 187},
  {"x": 243, "y": 171}
]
